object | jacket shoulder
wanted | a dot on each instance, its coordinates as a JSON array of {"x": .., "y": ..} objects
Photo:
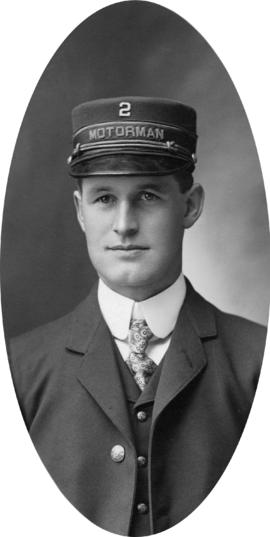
[
  {"x": 234, "y": 330},
  {"x": 240, "y": 331},
  {"x": 39, "y": 340},
  {"x": 237, "y": 343},
  {"x": 243, "y": 342},
  {"x": 39, "y": 359}
]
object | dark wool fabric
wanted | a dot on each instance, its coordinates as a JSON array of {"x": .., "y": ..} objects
[{"x": 77, "y": 406}]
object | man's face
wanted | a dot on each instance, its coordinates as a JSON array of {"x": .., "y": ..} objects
[{"x": 134, "y": 229}]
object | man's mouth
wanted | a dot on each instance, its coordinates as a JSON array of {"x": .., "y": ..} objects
[{"x": 127, "y": 247}]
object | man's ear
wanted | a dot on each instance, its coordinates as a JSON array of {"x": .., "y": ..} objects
[
  {"x": 194, "y": 205},
  {"x": 78, "y": 206}
]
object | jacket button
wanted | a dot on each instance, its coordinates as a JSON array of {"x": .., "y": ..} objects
[
  {"x": 142, "y": 461},
  {"x": 142, "y": 508},
  {"x": 118, "y": 453},
  {"x": 141, "y": 415}
]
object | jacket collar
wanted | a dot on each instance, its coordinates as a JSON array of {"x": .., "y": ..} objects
[
  {"x": 87, "y": 316},
  {"x": 98, "y": 372},
  {"x": 186, "y": 357},
  {"x": 200, "y": 313},
  {"x": 85, "y": 320}
]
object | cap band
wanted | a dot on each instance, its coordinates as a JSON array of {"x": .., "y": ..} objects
[
  {"x": 138, "y": 130},
  {"x": 133, "y": 135}
]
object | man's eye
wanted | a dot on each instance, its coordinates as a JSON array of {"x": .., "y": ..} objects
[
  {"x": 148, "y": 196},
  {"x": 105, "y": 199}
]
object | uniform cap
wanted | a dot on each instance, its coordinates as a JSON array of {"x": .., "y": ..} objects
[{"x": 132, "y": 136}]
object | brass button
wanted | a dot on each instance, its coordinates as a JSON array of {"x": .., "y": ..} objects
[
  {"x": 142, "y": 508},
  {"x": 141, "y": 415},
  {"x": 142, "y": 461},
  {"x": 118, "y": 453}
]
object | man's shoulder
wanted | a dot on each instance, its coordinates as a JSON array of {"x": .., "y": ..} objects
[
  {"x": 229, "y": 325},
  {"x": 234, "y": 345},
  {"x": 239, "y": 329},
  {"x": 42, "y": 336},
  {"x": 243, "y": 343},
  {"x": 39, "y": 358},
  {"x": 48, "y": 339},
  {"x": 240, "y": 340}
]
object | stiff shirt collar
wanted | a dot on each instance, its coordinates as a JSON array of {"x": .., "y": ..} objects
[{"x": 159, "y": 311}]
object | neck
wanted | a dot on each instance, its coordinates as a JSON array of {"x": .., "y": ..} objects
[{"x": 138, "y": 294}]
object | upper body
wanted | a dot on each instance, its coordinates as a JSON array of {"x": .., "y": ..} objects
[
  {"x": 76, "y": 406},
  {"x": 133, "y": 451}
]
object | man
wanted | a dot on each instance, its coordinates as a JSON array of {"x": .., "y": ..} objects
[{"x": 137, "y": 399}]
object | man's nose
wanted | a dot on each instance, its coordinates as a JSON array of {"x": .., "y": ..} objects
[{"x": 125, "y": 221}]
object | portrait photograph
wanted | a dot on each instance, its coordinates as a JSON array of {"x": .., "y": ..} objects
[{"x": 135, "y": 271}]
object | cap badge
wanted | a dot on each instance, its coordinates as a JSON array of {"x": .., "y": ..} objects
[{"x": 124, "y": 109}]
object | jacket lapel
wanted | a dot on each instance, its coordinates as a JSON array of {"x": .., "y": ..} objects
[
  {"x": 185, "y": 358},
  {"x": 99, "y": 372}
]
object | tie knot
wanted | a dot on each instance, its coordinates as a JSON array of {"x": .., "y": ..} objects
[{"x": 139, "y": 335}]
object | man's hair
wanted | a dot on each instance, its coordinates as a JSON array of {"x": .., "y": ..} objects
[{"x": 183, "y": 179}]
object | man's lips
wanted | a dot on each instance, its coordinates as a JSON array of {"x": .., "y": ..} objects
[{"x": 128, "y": 247}]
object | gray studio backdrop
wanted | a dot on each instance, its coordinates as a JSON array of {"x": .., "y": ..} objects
[{"x": 132, "y": 48}]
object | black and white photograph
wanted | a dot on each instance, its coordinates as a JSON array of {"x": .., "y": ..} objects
[{"x": 135, "y": 278}]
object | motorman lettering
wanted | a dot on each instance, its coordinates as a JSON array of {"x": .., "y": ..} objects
[{"x": 126, "y": 131}]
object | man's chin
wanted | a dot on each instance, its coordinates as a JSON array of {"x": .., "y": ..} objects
[{"x": 123, "y": 282}]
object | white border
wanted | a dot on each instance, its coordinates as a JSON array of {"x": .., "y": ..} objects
[{"x": 30, "y": 33}]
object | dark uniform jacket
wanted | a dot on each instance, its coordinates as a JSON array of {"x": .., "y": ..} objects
[{"x": 70, "y": 384}]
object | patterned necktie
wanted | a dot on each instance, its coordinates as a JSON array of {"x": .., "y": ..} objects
[{"x": 140, "y": 365}]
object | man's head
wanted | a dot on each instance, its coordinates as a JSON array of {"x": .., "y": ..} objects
[{"x": 133, "y": 159}]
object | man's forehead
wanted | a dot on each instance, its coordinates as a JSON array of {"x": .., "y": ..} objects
[{"x": 122, "y": 183}]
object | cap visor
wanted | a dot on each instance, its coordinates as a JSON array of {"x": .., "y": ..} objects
[{"x": 127, "y": 164}]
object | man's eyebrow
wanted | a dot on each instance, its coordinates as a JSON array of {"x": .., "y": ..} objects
[
  {"x": 159, "y": 187},
  {"x": 100, "y": 188}
]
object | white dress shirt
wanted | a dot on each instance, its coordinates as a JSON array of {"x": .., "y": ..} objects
[{"x": 159, "y": 311}]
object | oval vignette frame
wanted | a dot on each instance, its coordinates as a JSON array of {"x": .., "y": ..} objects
[{"x": 191, "y": 517}]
